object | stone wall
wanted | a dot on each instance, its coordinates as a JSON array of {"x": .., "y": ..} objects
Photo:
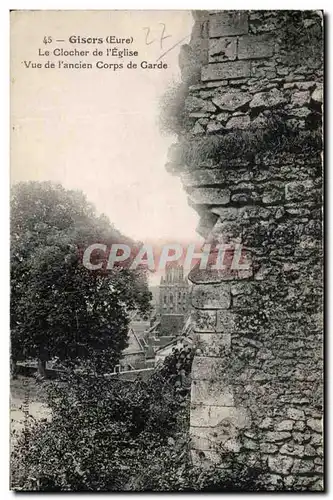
[{"x": 258, "y": 372}]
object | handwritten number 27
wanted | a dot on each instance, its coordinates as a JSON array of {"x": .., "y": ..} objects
[{"x": 163, "y": 36}]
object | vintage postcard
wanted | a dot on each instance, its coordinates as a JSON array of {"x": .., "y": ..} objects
[{"x": 166, "y": 250}]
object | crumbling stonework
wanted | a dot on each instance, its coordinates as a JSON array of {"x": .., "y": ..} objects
[{"x": 258, "y": 371}]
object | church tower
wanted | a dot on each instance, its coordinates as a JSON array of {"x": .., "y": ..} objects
[{"x": 174, "y": 299}]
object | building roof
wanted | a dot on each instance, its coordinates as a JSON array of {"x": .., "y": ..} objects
[
  {"x": 140, "y": 327},
  {"x": 135, "y": 345}
]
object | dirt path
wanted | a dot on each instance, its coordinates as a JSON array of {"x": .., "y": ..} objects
[{"x": 27, "y": 398}]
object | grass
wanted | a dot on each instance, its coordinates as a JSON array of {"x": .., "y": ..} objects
[{"x": 277, "y": 138}]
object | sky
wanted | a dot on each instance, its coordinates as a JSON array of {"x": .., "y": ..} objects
[{"x": 97, "y": 130}]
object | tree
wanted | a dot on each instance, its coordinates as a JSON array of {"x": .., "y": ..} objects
[{"x": 60, "y": 309}]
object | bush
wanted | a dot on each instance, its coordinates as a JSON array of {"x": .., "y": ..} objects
[
  {"x": 104, "y": 433},
  {"x": 113, "y": 435}
]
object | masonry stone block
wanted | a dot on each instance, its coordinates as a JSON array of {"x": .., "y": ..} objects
[
  {"x": 300, "y": 98},
  {"x": 222, "y": 49},
  {"x": 295, "y": 414},
  {"x": 285, "y": 425},
  {"x": 203, "y": 439},
  {"x": 203, "y": 177},
  {"x": 198, "y": 129},
  {"x": 208, "y": 440},
  {"x": 296, "y": 191},
  {"x": 292, "y": 449},
  {"x": 315, "y": 424},
  {"x": 255, "y": 47},
  {"x": 229, "y": 213},
  {"x": 229, "y": 419},
  {"x": 212, "y": 392},
  {"x": 226, "y": 23},
  {"x": 273, "y": 437},
  {"x": 241, "y": 289},
  {"x": 280, "y": 463},
  {"x": 232, "y": 101},
  {"x": 207, "y": 368},
  {"x": 268, "y": 448},
  {"x": 214, "y": 127},
  {"x": 227, "y": 70},
  {"x": 300, "y": 112},
  {"x": 210, "y": 196},
  {"x": 206, "y": 276},
  {"x": 272, "y": 195},
  {"x": 193, "y": 104},
  {"x": 267, "y": 100},
  {"x": 223, "y": 117},
  {"x": 238, "y": 122},
  {"x": 226, "y": 322},
  {"x": 302, "y": 466},
  {"x": 317, "y": 94}
]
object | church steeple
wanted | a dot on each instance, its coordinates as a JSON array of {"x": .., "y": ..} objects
[{"x": 173, "y": 291}]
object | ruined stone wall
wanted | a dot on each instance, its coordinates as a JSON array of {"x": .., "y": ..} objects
[{"x": 258, "y": 372}]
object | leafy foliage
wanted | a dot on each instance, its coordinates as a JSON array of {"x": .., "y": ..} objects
[
  {"x": 113, "y": 435},
  {"x": 58, "y": 307},
  {"x": 104, "y": 433}
]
